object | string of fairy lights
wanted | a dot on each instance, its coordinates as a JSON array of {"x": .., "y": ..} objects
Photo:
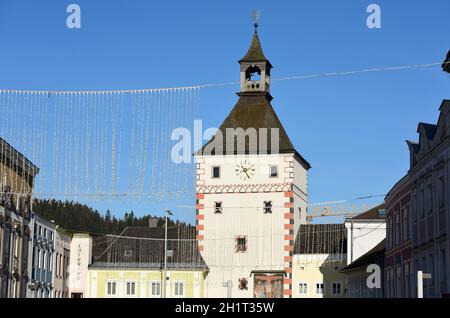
[{"x": 110, "y": 143}]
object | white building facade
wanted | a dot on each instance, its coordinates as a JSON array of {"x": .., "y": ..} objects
[
  {"x": 61, "y": 264},
  {"x": 251, "y": 194},
  {"x": 80, "y": 259},
  {"x": 364, "y": 232}
]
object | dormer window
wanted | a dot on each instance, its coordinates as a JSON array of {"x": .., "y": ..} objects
[
  {"x": 128, "y": 253},
  {"x": 218, "y": 207},
  {"x": 273, "y": 171},
  {"x": 215, "y": 174},
  {"x": 267, "y": 207}
]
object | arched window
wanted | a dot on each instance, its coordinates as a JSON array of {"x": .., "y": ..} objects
[{"x": 253, "y": 73}]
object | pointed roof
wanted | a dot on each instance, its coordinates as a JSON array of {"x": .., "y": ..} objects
[
  {"x": 255, "y": 52},
  {"x": 253, "y": 110}
]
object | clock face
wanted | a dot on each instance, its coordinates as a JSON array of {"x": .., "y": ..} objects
[{"x": 245, "y": 170}]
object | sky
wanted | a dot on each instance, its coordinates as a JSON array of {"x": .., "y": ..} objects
[{"x": 352, "y": 129}]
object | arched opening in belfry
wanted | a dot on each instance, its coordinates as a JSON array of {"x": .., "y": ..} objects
[{"x": 253, "y": 73}]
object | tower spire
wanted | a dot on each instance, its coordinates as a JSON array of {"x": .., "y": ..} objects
[
  {"x": 255, "y": 67},
  {"x": 255, "y": 16}
]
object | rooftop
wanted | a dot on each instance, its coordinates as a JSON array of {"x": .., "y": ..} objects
[
  {"x": 321, "y": 239},
  {"x": 143, "y": 248}
]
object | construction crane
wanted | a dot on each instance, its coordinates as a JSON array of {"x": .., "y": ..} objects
[{"x": 333, "y": 211}]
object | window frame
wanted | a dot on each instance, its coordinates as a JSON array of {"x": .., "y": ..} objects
[
  {"x": 132, "y": 284},
  {"x": 337, "y": 283},
  {"x": 268, "y": 209},
  {"x": 241, "y": 237},
  {"x": 107, "y": 291},
  {"x": 212, "y": 172},
  {"x": 300, "y": 288},
  {"x": 270, "y": 171},
  {"x": 218, "y": 210},
  {"x": 158, "y": 284},
  {"x": 322, "y": 285},
  {"x": 176, "y": 289}
]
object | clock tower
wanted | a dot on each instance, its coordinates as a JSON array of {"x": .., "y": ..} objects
[{"x": 252, "y": 193}]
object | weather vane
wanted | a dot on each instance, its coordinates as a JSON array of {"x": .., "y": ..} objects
[{"x": 256, "y": 15}]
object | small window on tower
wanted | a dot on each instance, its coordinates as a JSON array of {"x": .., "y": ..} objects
[
  {"x": 218, "y": 207},
  {"x": 215, "y": 172},
  {"x": 241, "y": 243},
  {"x": 267, "y": 207},
  {"x": 274, "y": 171}
]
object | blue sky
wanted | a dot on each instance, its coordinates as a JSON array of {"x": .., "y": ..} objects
[{"x": 350, "y": 128}]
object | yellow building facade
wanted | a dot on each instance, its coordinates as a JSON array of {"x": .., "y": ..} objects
[
  {"x": 131, "y": 265},
  {"x": 317, "y": 276},
  {"x": 110, "y": 283},
  {"x": 320, "y": 252}
]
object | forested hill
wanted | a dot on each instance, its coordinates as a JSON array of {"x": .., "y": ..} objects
[{"x": 73, "y": 217}]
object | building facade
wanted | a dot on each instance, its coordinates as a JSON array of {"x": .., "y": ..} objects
[
  {"x": 364, "y": 232},
  {"x": 61, "y": 264},
  {"x": 360, "y": 273},
  {"x": 251, "y": 193},
  {"x": 42, "y": 280},
  {"x": 418, "y": 215},
  {"x": 132, "y": 265},
  {"x": 79, "y": 261},
  {"x": 320, "y": 253},
  {"x": 17, "y": 175}
]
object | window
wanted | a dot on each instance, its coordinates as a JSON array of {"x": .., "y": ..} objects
[
  {"x": 241, "y": 244},
  {"x": 336, "y": 288},
  {"x": 40, "y": 230},
  {"x": 111, "y": 288},
  {"x": 131, "y": 288},
  {"x": 128, "y": 253},
  {"x": 429, "y": 199},
  {"x": 57, "y": 265},
  {"x": 44, "y": 260},
  {"x": 39, "y": 259},
  {"x": 422, "y": 203},
  {"x": 405, "y": 224},
  {"x": 273, "y": 171},
  {"x": 45, "y": 233},
  {"x": 16, "y": 246},
  {"x": 14, "y": 288},
  {"x": 179, "y": 289},
  {"x": 156, "y": 289},
  {"x": 215, "y": 172},
  {"x": 302, "y": 288},
  {"x": 441, "y": 192},
  {"x": 267, "y": 206},
  {"x": 443, "y": 269},
  {"x": 397, "y": 228},
  {"x": 319, "y": 288},
  {"x": 218, "y": 207}
]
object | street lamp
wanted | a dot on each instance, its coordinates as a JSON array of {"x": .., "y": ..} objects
[{"x": 168, "y": 212}]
